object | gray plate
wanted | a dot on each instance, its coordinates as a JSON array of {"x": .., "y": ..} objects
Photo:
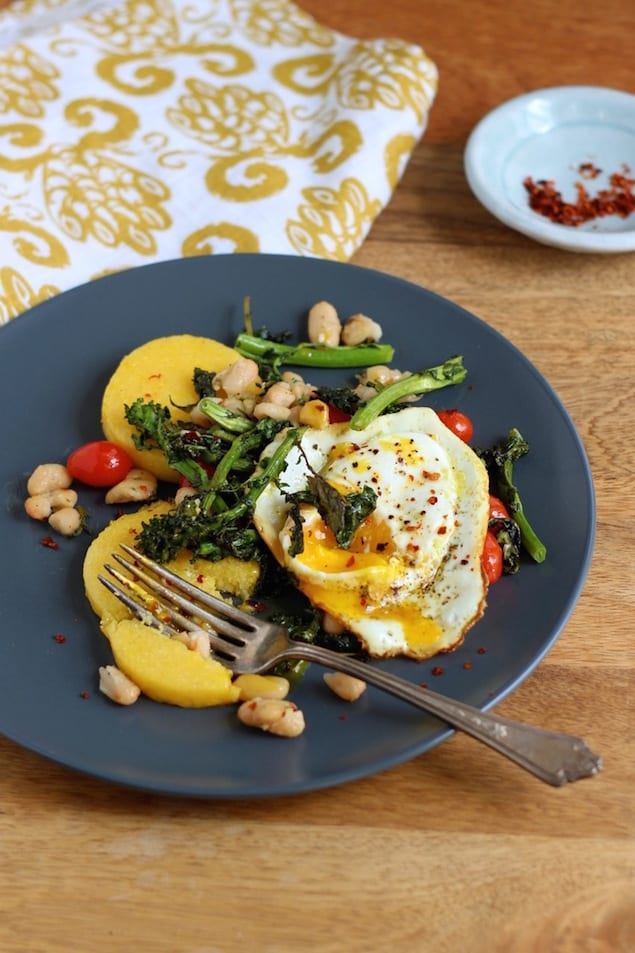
[{"x": 55, "y": 362}]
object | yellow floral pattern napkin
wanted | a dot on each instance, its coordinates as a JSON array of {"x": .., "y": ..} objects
[{"x": 146, "y": 130}]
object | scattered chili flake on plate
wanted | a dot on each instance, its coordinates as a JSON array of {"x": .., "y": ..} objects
[
  {"x": 617, "y": 199},
  {"x": 59, "y": 638},
  {"x": 49, "y": 542}
]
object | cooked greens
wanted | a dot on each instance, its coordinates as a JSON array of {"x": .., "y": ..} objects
[
  {"x": 500, "y": 460},
  {"x": 451, "y": 371}
]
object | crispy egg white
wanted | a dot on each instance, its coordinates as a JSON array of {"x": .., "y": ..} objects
[{"x": 411, "y": 582}]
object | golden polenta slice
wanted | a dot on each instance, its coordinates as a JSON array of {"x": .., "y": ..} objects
[
  {"x": 164, "y": 669},
  {"x": 228, "y": 575},
  {"x": 160, "y": 370}
]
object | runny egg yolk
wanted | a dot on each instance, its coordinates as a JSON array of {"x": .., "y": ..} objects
[{"x": 396, "y": 621}]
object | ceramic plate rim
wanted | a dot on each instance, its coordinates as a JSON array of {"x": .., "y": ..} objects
[{"x": 480, "y": 166}]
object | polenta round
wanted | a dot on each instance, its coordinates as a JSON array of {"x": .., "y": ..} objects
[{"x": 160, "y": 370}]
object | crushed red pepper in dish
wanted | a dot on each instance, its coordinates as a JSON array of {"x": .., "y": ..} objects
[{"x": 617, "y": 199}]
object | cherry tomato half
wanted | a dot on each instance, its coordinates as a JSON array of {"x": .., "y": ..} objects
[
  {"x": 492, "y": 558},
  {"x": 458, "y": 422},
  {"x": 497, "y": 509},
  {"x": 99, "y": 463}
]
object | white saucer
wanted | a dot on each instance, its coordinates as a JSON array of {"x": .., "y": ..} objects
[{"x": 548, "y": 134}]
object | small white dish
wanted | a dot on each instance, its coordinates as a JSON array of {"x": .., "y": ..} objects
[{"x": 548, "y": 134}]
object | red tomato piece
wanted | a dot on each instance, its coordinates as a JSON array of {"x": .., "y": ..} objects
[
  {"x": 458, "y": 422},
  {"x": 497, "y": 509},
  {"x": 492, "y": 558},
  {"x": 99, "y": 463},
  {"x": 337, "y": 416}
]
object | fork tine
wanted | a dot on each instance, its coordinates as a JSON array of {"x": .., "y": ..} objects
[
  {"x": 154, "y": 613},
  {"x": 141, "y": 612},
  {"x": 219, "y": 612}
]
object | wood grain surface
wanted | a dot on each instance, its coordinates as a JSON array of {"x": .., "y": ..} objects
[{"x": 457, "y": 851}]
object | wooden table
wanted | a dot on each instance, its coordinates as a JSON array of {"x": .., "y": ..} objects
[{"x": 458, "y": 850}]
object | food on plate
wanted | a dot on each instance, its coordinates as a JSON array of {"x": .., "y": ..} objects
[
  {"x": 99, "y": 463},
  {"x": 409, "y": 581},
  {"x": 378, "y": 512},
  {"x": 347, "y": 687},
  {"x": 165, "y": 669},
  {"x": 229, "y": 575},
  {"x": 277, "y": 716},
  {"x": 160, "y": 370},
  {"x": 51, "y": 498}
]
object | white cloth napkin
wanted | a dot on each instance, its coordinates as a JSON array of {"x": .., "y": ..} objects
[{"x": 146, "y": 130}]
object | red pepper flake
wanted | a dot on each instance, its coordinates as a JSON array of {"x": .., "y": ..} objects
[
  {"x": 84, "y": 695},
  {"x": 481, "y": 651},
  {"x": 618, "y": 199},
  {"x": 467, "y": 665},
  {"x": 588, "y": 170},
  {"x": 49, "y": 542},
  {"x": 200, "y": 578},
  {"x": 442, "y": 530},
  {"x": 350, "y": 562},
  {"x": 438, "y": 670},
  {"x": 256, "y": 606},
  {"x": 343, "y": 717},
  {"x": 59, "y": 638},
  {"x": 423, "y": 685},
  {"x": 155, "y": 377}
]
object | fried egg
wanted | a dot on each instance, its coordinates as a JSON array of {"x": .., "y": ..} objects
[{"x": 411, "y": 582}]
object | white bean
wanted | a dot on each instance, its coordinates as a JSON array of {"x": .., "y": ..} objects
[
  {"x": 183, "y": 492},
  {"x": 275, "y": 715},
  {"x": 324, "y": 326},
  {"x": 117, "y": 686},
  {"x": 139, "y": 485},
  {"x": 331, "y": 625},
  {"x": 48, "y": 477},
  {"x": 345, "y": 686},
  {"x": 236, "y": 378},
  {"x": 41, "y": 506},
  {"x": 67, "y": 521},
  {"x": 280, "y": 393},
  {"x": 196, "y": 640},
  {"x": 359, "y": 329},
  {"x": 266, "y": 409}
]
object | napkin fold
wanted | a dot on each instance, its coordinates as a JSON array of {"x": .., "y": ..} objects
[{"x": 147, "y": 130}]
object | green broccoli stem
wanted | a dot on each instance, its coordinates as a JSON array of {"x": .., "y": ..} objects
[
  {"x": 451, "y": 371},
  {"x": 511, "y": 498},
  {"x": 231, "y": 422},
  {"x": 275, "y": 465},
  {"x": 500, "y": 462},
  {"x": 313, "y": 355}
]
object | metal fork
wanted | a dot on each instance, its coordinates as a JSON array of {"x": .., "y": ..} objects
[{"x": 244, "y": 643}]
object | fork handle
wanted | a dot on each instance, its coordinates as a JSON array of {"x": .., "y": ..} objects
[{"x": 549, "y": 755}]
